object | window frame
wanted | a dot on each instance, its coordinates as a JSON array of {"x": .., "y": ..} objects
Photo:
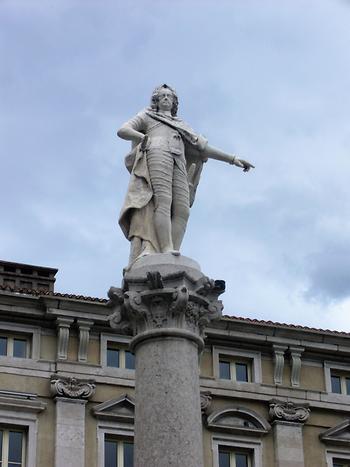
[
  {"x": 120, "y": 440},
  {"x": 6, "y": 429},
  {"x": 337, "y": 369},
  {"x": 28, "y": 424},
  {"x": 232, "y": 454},
  {"x": 31, "y": 334},
  {"x": 332, "y": 455},
  {"x": 233, "y": 362},
  {"x": 250, "y": 445},
  {"x": 120, "y": 431},
  {"x": 123, "y": 342},
  {"x": 11, "y": 337},
  {"x": 251, "y": 357}
]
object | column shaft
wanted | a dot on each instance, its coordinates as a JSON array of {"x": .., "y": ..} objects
[{"x": 168, "y": 415}]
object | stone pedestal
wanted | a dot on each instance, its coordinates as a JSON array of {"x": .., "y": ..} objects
[
  {"x": 166, "y": 301},
  {"x": 288, "y": 420}
]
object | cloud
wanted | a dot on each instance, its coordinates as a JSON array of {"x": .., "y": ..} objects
[{"x": 266, "y": 80}]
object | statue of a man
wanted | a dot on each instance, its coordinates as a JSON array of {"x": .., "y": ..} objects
[{"x": 165, "y": 166}]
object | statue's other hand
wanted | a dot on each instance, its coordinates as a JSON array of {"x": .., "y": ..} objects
[{"x": 245, "y": 165}]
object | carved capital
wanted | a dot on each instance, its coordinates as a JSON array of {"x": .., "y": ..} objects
[
  {"x": 166, "y": 302},
  {"x": 288, "y": 411},
  {"x": 72, "y": 387}
]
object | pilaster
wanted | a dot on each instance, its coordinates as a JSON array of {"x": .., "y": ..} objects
[
  {"x": 71, "y": 396},
  {"x": 287, "y": 421}
]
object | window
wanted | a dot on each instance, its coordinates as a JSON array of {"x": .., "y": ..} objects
[
  {"x": 12, "y": 447},
  {"x": 340, "y": 463},
  {"x": 14, "y": 346},
  {"x": 236, "y": 365},
  {"x": 119, "y": 358},
  {"x": 118, "y": 452},
  {"x": 235, "y": 370},
  {"x": 230, "y": 450},
  {"x": 233, "y": 458},
  {"x": 340, "y": 382},
  {"x": 337, "y": 380}
]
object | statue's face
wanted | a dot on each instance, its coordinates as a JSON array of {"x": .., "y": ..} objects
[{"x": 165, "y": 99}]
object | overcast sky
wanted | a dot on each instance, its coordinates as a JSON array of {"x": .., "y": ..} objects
[{"x": 268, "y": 80}]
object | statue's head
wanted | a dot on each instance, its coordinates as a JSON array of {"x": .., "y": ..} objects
[{"x": 155, "y": 98}]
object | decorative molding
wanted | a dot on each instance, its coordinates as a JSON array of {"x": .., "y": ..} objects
[
  {"x": 84, "y": 335},
  {"x": 185, "y": 305},
  {"x": 205, "y": 401},
  {"x": 288, "y": 411},
  {"x": 63, "y": 325},
  {"x": 72, "y": 387},
  {"x": 121, "y": 409},
  {"x": 239, "y": 420},
  {"x": 21, "y": 402},
  {"x": 278, "y": 356},
  {"x": 295, "y": 354},
  {"x": 338, "y": 435}
]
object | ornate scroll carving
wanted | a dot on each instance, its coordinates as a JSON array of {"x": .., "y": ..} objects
[
  {"x": 63, "y": 325},
  {"x": 205, "y": 401},
  {"x": 295, "y": 355},
  {"x": 84, "y": 336},
  {"x": 157, "y": 305},
  {"x": 278, "y": 354},
  {"x": 72, "y": 387},
  {"x": 288, "y": 411}
]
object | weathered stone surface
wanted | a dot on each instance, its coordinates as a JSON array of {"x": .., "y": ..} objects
[
  {"x": 70, "y": 432},
  {"x": 288, "y": 440}
]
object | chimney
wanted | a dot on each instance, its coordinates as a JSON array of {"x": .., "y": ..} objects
[{"x": 26, "y": 276}]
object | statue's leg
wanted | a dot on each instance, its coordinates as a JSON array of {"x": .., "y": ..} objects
[
  {"x": 181, "y": 204},
  {"x": 135, "y": 248},
  {"x": 160, "y": 166}
]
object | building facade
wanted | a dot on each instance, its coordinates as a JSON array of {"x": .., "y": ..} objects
[{"x": 272, "y": 394}]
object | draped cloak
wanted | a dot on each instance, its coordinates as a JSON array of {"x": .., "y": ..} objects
[{"x": 136, "y": 216}]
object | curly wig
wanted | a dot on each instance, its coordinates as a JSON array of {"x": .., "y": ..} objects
[{"x": 155, "y": 99}]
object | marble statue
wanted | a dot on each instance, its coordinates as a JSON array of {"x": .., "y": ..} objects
[{"x": 165, "y": 165}]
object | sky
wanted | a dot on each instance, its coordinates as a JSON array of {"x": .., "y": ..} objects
[{"x": 267, "y": 80}]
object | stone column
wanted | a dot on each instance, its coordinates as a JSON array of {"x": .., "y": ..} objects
[
  {"x": 167, "y": 302},
  {"x": 71, "y": 397},
  {"x": 287, "y": 421}
]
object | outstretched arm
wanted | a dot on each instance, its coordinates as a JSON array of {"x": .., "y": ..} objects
[{"x": 214, "y": 153}]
